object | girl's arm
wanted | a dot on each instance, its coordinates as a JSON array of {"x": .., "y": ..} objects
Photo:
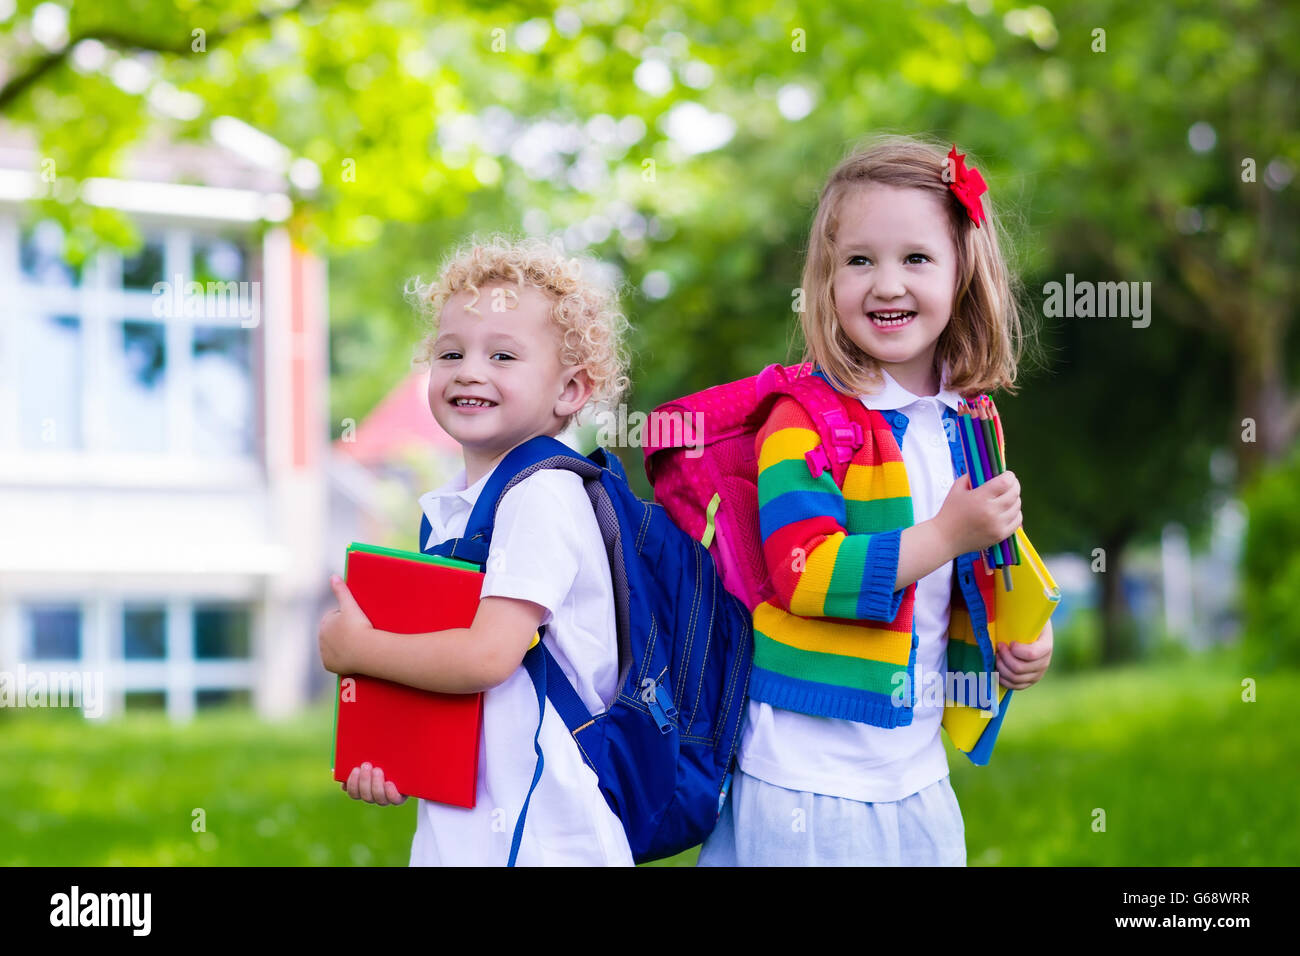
[
  {"x": 818, "y": 569},
  {"x": 923, "y": 548},
  {"x": 462, "y": 660}
]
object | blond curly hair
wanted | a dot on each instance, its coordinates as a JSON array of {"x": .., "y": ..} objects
[{"x": 593, "y": 330}]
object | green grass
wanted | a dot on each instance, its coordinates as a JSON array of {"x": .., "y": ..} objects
[
  {"x": 126, "y": 792},
  {"x": 1185, "y": 771}
]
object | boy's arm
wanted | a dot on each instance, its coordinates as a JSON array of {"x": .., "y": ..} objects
[
  {"x": 818, "y": 569},
  {"x": 460, "y": 660},
  {"x": 532, "y": 564}
]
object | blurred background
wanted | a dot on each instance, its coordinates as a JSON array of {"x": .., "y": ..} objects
[{"x": 208, "y": 212}]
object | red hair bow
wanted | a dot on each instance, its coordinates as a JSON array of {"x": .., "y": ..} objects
[{"x": 967, "y": 185}]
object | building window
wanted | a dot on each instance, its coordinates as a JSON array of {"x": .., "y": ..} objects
[
  {"x": 144, "y": 633},
  {"x": 42, "y": 257},
  {"x": 233, "y": 698},
  {"x": 217, "y": 259},
  {"x": 50, "y": 375},
  {"x": 222, "y": 632},
  {"x": 137, "y": 378},
  {"x": 223, "y": 391},
  {"x": 53, "y": 632},
  {"x": 137, "y": 360},
  {"x": 146, "y": 267},
  {"x": 135, "y": 701}
]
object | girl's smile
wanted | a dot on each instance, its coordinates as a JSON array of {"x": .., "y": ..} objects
[
  {"x": 895, "y": 281},
  {"x": 892, "y": 320}
]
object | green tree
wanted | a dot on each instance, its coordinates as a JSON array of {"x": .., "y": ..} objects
[{"x": 1121, "y": 133}]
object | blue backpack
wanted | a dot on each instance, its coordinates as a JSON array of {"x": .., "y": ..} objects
[{"x": 663, "y": 751}]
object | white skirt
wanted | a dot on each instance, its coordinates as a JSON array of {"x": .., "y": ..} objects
[{"x": 765, "y": 825}]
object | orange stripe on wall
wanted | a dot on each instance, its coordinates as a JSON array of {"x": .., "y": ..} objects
[
  {"x": 298, "y": 371},
  {"x": 298, "y": 318}
]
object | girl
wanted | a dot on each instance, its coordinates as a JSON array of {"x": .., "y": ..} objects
[{"x": 910, "y": 307}]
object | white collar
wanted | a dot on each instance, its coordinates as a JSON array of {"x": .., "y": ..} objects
[
  {"x": 455, "y": 488},
  {"x": 895, "y": 396},
  {"x": 439, "y": 505},
  {"x": 470, "y": 495}
]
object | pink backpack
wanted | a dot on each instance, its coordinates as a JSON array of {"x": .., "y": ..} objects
[{"x": 701, "y": 460}]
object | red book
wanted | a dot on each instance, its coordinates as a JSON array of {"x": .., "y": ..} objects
[{"x": 426, "y": 743}]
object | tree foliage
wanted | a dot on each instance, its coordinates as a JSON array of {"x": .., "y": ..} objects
[{"x": 1131, "y": 142}]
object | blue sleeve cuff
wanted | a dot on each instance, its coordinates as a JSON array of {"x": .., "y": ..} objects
[{"x": 878, "y": 601}]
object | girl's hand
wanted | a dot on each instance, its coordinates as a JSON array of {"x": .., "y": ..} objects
[
  {"x": 975, "y": 519},
  {"x": 1022, "y": 665},
  {"x": 343, "y": 632},
  {"x": 367, "y": 783}
]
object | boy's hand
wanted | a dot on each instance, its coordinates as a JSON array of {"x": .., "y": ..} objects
[
  {"x": 367, "y": 783},
  {"x": 1022, "y": 665},
  {"x": 343, "y": 632},
  {"x": 973, "y": 520}
]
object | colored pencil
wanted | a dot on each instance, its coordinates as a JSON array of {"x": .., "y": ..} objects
[
  {"x": 973, "y": 464},
  {"x": 966, "y": 433},
  {"x": 997, "y": 425},
  {"x": 991, "y": 440},
  {"x": 990, "y": 436},
  {"x": 987, "y": 462},
  {"x": 997, "y": 421}
]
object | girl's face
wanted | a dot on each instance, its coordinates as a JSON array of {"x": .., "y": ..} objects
[{"x": 895, "y": 279}]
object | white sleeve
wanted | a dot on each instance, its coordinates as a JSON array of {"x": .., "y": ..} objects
[{"x": 535, "y": 554}]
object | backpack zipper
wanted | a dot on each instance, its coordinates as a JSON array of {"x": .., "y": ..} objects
[{"x": 656, "y": 697}]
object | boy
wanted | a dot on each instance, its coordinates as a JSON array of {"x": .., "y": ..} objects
[{"x": 520, "y": 343}]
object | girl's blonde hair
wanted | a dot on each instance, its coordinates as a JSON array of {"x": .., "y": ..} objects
[
  {"x": 592, "y": 328},
  {"x": 982, "y": 343}
]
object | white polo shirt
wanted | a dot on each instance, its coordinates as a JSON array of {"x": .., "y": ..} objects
[
  {"x": 546, "y": 548},
  {"x": 843, "y": 758}
]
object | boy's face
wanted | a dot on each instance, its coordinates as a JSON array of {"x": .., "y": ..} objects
[
  {"x": 896, "y": 255},
  {"x": 508, "y": 357}
]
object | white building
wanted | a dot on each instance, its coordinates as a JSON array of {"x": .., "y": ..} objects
[{"x": 162, "y": 457}]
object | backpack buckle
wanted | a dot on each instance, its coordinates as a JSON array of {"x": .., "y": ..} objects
[
  {"x": 848, "y": 439},
  {"x": 850, "y": 434},
  {"x": 817, "y": 461}
]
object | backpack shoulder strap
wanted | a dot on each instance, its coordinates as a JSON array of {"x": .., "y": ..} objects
[
  {"x": 547, "y": 678},
  {"x": 841, "y": 436},
  {"x": 520, "y": 462}
]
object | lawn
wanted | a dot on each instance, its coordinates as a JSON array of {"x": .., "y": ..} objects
[{"x": 1185, "y": 772}]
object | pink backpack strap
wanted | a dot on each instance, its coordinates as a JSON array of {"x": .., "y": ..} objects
[{"x": 841, "y": 436}]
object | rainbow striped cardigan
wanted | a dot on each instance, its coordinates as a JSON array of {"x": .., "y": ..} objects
[{"x": 836, "y": 638}]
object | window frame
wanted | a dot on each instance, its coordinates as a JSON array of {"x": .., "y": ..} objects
[
  {"x": 101, "y": 305},
  {"x": 179, "y": 674}
]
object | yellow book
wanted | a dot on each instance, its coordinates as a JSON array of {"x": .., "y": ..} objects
[{"x": 1018, "y": 615}]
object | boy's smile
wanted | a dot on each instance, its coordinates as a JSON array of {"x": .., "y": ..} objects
[
  {"x": 895, "y": 279},
  {"x": 496, "y": 378}
]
